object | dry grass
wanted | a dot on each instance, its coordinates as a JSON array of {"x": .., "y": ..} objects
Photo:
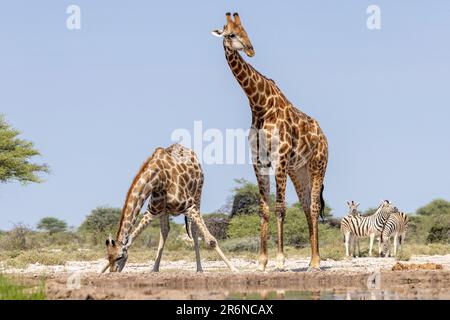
[{"x": 59, "y": 256}]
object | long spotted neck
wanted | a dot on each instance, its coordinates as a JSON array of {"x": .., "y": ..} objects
[
  {"x": 146, "y": 181},
  {"x": 263, "y": 94}
]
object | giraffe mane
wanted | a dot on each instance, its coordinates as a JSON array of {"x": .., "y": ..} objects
[{"x": 130, "y": 190}]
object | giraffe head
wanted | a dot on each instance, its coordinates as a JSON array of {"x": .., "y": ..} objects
[
  {"x": 117, "y": 255},
  {"x": 353, "y": 208},
  {"x": 234, "y": 35}
]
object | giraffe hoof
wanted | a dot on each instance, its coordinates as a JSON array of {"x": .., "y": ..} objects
[
  {"x": 261, "y": 268},
  {"x": 313, "y": 269},
  {"x": 280, "y": 263},
  {"x": 199, "y": 270},
  {"x": 233, "y": 269}
]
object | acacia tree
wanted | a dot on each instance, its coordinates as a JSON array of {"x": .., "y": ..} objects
[
  {"x": 101, "y": 222},
  {"x": 15, "y": 155},
  {"x": 52, "y": 225}
]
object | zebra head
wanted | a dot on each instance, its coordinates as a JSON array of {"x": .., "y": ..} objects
[{"x": 383, "y": 212}]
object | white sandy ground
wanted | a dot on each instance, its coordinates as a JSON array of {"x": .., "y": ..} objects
[{"x": 351, "y": 265}]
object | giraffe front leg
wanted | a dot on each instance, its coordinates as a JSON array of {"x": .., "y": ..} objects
[
  {"x": 261, "y": 165},
  {"x": 164, "y": 232},
  {"x": 145, "y": 221},
  {"x": 264, "y": 189},
  {"x": 280, "y": 210},
  {"x": 194, "y": 214}
]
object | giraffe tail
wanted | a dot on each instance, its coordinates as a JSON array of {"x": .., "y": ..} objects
[
  {"x": 187, "y": 225},
  {"x": 322, "y": 204}
]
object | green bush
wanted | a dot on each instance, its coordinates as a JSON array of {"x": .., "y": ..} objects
[
  {"x": 296, "y": 231},
  {"x": 439, "y": 234},
  {"x": 16, "y": 238},
  {"x": 241, "y": 244}
]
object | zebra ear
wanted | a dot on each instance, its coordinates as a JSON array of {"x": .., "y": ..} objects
[{"x": 348, "y": 203}]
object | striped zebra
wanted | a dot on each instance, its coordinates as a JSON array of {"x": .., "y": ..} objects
[
  {"x": 371, "y": 226},
  {"x": 345, "y": 226},
  {"x": 396, "y": 225}
]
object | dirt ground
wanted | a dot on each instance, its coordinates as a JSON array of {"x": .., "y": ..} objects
[{"x": 358, "y": 278}]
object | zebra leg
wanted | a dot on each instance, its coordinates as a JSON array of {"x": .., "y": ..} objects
[
  {"x": 372, "y": 237},
  {"x": 354, "y": 240},
  {"x": 379, "y": 246},
  {"x": 346, "y": 241},
  {"x": 395, "y": 244},
  {"x": 359, "y": 249}
]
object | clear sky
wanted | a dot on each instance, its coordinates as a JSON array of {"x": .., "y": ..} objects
[{"x": 99, "y": 100}]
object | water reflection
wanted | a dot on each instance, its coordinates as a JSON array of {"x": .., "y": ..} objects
[{"x": 335, "y": 295}]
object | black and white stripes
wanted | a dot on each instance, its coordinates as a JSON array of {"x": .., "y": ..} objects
[
  {"x": 356, "y": 226},
  {"x": 396, "y": 226}
]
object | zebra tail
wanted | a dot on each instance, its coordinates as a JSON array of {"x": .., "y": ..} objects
[{"x": 187, "y": 225}]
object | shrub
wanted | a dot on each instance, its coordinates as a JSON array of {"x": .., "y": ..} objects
[
  {"x": 241, "y": 244},
  {"x": 296, "y": 231},
  {"x": 404, "y": 254},
  {"x": 217, "y": 225},
  {"x": 101, "y": 222},
  {"x": 244, "y": 226},
  {"x": 439, "y": 234},
  {"x": 16, "y": 239}
]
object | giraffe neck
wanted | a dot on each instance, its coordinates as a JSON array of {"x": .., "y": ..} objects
[
  {"x": 145, "y": 182},
  {"x": 263, "y": 94}
]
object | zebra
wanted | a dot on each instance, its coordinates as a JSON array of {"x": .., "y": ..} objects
[
  {"x": 396, "y": 225},
  {"x": 371, "y": 226},
  {"x": 345, "y": 226}
]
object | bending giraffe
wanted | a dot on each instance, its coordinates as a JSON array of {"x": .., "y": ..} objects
[
  {"x": 173, "y": 179},
  {"x": 281, "y": 137}
]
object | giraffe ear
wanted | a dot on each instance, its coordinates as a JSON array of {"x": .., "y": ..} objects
[{"x": 218, "y": 33}]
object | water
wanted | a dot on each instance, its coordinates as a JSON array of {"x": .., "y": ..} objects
[{"x": 352, "y": 294}]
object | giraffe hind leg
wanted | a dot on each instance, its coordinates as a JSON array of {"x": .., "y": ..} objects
[
  {"x": 308, "y": 191},
  {"x": 164, "y": 232},
  {"x": 195, "y": 234}
]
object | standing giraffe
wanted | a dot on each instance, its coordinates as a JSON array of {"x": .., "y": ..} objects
[
  {"x": 281, "y": 137},
  {"x": 173, "y": 179}
]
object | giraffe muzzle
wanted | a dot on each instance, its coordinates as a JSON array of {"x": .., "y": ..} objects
[{"x": 250, "y": 52}]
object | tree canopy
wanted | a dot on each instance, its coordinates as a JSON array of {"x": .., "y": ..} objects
[
  {"x": 52, "y": 225},
  {"x": 101, "y": 220},
  {"x": 438, "y": 206},
  {"x": 15, "y": 155}
]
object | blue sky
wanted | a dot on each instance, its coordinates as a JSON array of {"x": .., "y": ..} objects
[{"x": 99, "y": 100}]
